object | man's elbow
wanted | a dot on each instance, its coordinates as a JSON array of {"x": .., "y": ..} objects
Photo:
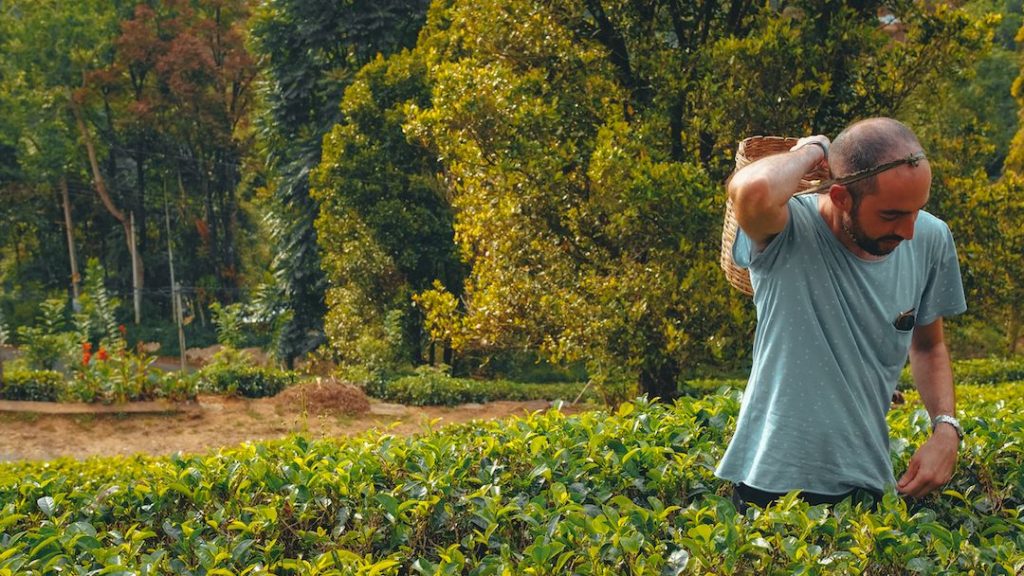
[{"x": 751, "y": 199}]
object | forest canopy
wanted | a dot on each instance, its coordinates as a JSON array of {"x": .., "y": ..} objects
[{"x": 388, "y": 184}]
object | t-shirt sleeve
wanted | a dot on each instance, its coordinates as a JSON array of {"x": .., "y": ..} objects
[
  {"x": 944, "y": 289},
  {"x": 746, "y": 255}
]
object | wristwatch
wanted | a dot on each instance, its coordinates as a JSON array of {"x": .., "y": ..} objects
[{"x": 947, "y": 419}]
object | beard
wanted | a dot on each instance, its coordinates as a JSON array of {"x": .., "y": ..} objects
[{"x": 881, "y": 246}]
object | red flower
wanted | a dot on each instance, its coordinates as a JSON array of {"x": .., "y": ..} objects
[
  {"x": 102, "y": 354},
  {"x": 86, "y": 347},
  {"x": 122, "y": 328},
  {"x": 85, "y": 358}
]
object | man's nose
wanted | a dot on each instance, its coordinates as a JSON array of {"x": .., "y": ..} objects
[{"x": 905, "y": 228}]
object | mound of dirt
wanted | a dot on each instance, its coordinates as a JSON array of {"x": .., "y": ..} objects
[{"x": 325, "y": 396}]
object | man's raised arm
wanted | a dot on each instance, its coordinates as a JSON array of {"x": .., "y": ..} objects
[{"x": 760, "y": 191}]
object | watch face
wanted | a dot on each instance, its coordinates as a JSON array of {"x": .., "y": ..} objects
[{"x": 943, "y": 418}]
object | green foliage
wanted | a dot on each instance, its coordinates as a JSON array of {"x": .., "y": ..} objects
[
  {"x": 311, "y": 51},
  {"x": 5, "y": 332},
  {"x": 249, "y": 382},
  {"x": 233, "y": 371},
  {"x": 47, "y": 344},
  {"x": 34, "y": 385},
  {"x": 434, "y": 387},
  {"x": 584, "y": 144},
  {"x": 385, "y": 227},
  {"x": 989, "y": 370},
  {"x": 118, "y": 375},
  {"x": 979, "y": 371},
  {"x": 630, "y": 492},
  {"x": 229, "y": 321},
  {"x": 95, "y": 319},
  {"x": 987, "y": 217},
  {"x": 703, "y": 386}
]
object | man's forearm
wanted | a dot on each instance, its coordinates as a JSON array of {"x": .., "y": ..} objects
[
  {"x": 933, "y": 377},
  {"x": 933, "y": 463},
  {"x": 760, "y": 191}
]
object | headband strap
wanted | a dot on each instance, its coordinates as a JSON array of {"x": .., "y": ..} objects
[{"x": 910, "y": 160}]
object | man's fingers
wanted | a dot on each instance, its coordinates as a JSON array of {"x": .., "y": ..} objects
[
  {"x": 918, "y": 482},
  {"x": 908, "y": 476},
  {"x": 921, "y": 486},
  {"x": 914, "y": 482}
]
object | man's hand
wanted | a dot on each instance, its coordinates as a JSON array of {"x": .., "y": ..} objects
[
  {"x": 932, "y": 465},
  {"x": 818, "y": 141}
]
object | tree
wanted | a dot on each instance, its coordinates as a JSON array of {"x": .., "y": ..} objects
[
  {"x": 384, "y": 224},
  {"x": 584, "y": 143},
  {"x": 176, "y": 99},
  {"x": 47, "y": 47},
  {"x": 311, "y": 51}
]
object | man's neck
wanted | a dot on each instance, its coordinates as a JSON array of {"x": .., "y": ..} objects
[{"x": 833, "y": 218}]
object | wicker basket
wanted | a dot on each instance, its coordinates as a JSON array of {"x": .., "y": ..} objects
[{"x": 749, "y": 150}]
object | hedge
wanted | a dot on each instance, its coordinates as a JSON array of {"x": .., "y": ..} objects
[{"x": 34, "y": 385}]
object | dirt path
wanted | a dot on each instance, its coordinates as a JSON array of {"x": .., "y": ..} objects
[{"x": 219, "y": 422}]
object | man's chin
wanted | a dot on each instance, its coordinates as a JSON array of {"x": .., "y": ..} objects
[{"x": 882, "y": 247}]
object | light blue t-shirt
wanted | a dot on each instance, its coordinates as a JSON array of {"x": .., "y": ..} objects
[{"x": 827, "y": 355}]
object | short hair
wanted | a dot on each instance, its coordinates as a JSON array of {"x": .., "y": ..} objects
[{"x": 866, "y": 144}]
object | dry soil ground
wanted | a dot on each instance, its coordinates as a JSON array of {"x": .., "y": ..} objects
[{"x": 215, "y": 422}]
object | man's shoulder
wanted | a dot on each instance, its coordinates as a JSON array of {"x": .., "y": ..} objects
[{"x": 931, "y": 226}]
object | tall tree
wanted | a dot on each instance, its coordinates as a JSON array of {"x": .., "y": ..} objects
[
  {"x": 584, "y": 141},
  {"x": 311, "y": 51},
  {"x": 177, "y": 97},
  {"x": 47, "y": 49},
  {"x": 385, "y": 224}
]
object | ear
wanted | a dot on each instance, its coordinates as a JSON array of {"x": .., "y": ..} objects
[{"x": 841, "y": 197}]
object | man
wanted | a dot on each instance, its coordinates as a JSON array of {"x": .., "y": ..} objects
[{"x": 846, "y": 283}]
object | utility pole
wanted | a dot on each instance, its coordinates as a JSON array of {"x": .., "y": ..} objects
[
  {"x": 133, "y": 246},
  {"x": 175, "y": 287},
  {"x": 71, "y": 241}
]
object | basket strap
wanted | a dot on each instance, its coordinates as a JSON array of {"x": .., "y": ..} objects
[{"x": 911, "y": 160}]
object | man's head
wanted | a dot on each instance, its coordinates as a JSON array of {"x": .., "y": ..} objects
[{"x": 878, "y": 212}]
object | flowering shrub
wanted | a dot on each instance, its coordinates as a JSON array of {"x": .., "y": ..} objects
[{"x": 117, "y": 374}]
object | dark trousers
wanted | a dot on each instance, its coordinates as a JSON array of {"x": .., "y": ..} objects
[{"x": 743, "y": 496}]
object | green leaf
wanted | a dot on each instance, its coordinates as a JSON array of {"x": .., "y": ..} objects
[
  {"x": 46, "y": 505},
  {"x": 921, "y": 565}
]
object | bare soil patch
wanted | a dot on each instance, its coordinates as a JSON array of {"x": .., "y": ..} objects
[{"x": 328, "y": 410}]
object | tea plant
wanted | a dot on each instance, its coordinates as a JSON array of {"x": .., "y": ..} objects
[
  {"x": 429, "y": 387},
  {"x": 234, "y": 371},
  {"x": 595, "y": 493},
  {"x": 979, "y": 371}
]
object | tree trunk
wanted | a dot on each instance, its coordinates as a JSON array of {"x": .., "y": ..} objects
[
  {"x": 108, "y": 203},
  {"x": 1013, "y": 333},
  {"x": 140, "y": 195},
  {"x": 659, "y": 381}
]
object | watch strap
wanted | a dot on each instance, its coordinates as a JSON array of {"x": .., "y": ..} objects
[{"x": 952, "y": 421}]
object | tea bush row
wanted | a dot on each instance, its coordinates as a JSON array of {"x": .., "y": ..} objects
[
  {"x": 434, "y": 388},
  {"x": 594, "y": 493},
  {"x": 246, "y": 381},
  {"x": 980, "y": 371},
  {"x": 32, "y": 385},
  {"x": 111, "y": 387},
  {"x": 114, "y": 386}
]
